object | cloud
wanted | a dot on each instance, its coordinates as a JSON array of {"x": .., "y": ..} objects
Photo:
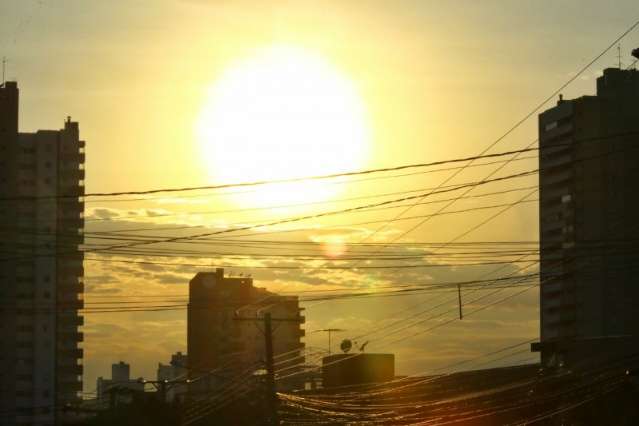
[
  {"x": 169, "y": 278},
  {"x": 103, "y": 213},
  {"x": 156, "y": 212},
  {"x": 110, "y": 337}
]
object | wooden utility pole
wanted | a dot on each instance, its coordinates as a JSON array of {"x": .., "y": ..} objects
[
  {"x": 271, "y": 389},
  {"x": 270, "y": 370},
  {"x": 461, "y": 316}
]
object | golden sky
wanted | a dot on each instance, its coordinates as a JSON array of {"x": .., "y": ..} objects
[{"x": 422, "y": 80}]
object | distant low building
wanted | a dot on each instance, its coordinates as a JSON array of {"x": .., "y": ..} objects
[
  {"x": 357, "y": 369},
  {"x": 120, "y": 379},
  {"x": 176, "y": 370}
]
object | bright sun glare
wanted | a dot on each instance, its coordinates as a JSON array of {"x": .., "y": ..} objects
[{"x": 283, "y": 113}]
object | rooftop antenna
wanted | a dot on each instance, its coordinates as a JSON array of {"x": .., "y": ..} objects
[
  {"x": 619, "y": 55},
  {"x": 329, "y": 331}
]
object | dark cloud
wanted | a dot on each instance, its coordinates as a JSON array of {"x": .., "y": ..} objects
[
  {"x": 104, "y": 213},
  {"x": 168, "y": 278}
]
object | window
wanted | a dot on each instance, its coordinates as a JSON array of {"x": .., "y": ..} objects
[{"x": 551, "y": 126}]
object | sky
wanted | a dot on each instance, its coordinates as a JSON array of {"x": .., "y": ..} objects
[{"x": 397, "y": 82}]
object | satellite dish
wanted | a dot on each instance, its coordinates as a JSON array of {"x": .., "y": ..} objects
[{"x": 346, "y": 345}]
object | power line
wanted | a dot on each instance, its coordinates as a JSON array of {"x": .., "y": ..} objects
[
  {"x": 269, "y": 182},
  {"x": 504, "y": 135}
]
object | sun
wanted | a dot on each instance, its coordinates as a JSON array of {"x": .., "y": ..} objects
[{"x": 284, "y": 112}]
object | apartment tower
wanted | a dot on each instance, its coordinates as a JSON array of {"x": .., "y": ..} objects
[
  {"x": 589, "y": 166},
  {"x": 41, "y": 267}
]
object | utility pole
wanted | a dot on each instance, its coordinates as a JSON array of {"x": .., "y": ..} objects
[
  {"x": 162, "y": 391},
  {"x": 270, "y": 369},
  {"x": 112, "y": 398},
  {"x": 461, "y": 316},
  {"x": 271, "y": 397}
]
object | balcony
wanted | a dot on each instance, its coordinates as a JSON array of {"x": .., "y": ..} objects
[
  {"x": 71, "y": 192},
  {"x": 69, "y": 223},
  {"x": 67, "y": 288},
  {"x": 70, "y": 369},
  {"x": 70, "y": 270},
  {"x": 67, "y": 234},
  {"x": 70, "y": 320},
  {"x": 71, "y": 300},
  {"x": 68, "y": 383},
  {"x": 72, "y": 174},
  {"x": 70, "y": 336},
  {"x": 77, "y": 353}
]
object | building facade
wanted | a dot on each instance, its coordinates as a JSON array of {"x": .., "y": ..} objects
[
  {"x": 121, "y": 380},
  {"x": 41, "y": 267},
  {"x": 589, "y": 236},
  {"x": 225, "y": 332},
  {"x": 176, "y": 371}
]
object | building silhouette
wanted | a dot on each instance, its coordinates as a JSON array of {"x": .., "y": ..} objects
[
  {"x": 225, "y": 330},
  {"x": 41, "y": 267},
  {"x": 589, "y": 166},
  {"x": 120, "y": 380},
  {"x": 176, "y": 371}
]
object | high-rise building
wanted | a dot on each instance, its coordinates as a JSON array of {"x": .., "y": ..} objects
[
  {"x": 176, "y": 371},
  {"x": 219, "y": 334},
  {"x": 120, "y": 379},
  {"x": 120, "y": 372},
  {"x": 41, "y": 267},
  {"x": 589, "y": 166}
]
